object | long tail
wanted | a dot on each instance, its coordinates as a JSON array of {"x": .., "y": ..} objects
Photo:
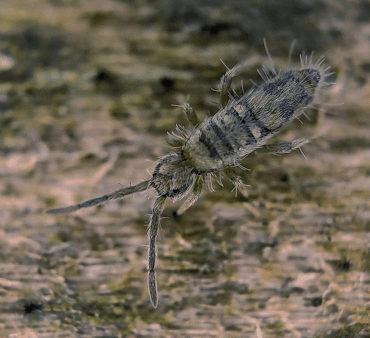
[{"x": 99, "y": 200}]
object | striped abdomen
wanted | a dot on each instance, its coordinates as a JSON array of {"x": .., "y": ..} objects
[{"x": 238, "y": 129}]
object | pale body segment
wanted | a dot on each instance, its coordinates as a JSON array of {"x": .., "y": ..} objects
[{"x": 221, "y": 141}]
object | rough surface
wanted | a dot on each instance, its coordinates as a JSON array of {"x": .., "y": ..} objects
[{"x": 86, "y": 89}]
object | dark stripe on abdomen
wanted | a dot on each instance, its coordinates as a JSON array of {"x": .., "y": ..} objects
[
  {"x": 211, "y": 149},
  {"x": 264, "y": 131},
  {"x": 253, "y": 121},
  {"x": 243, "y": 124},
  {"x": 220, "y": 134}
]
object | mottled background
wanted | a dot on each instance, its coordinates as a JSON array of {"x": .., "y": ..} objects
[{"x": 86, "y": 89}]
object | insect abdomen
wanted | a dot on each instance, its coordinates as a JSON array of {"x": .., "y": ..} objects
[
  {"x": 246, "y": 124},
  {"x": 225, "y": 138},
  {"x": 275, "y": 102}
]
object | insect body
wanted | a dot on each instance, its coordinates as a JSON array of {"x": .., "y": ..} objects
[
  {"x": 246, "y": 124},
  {"x": 221, "y": 141}
]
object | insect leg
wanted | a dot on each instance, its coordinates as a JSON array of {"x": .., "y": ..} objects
[
  {"x": 197, "y": 189},
  {"x": 237, "y": 181},
  {"x": 226, "y": 79},
  {"x": 153, "y": 233},
  {"x": 225, "y": 84},
  {"x": 190, "y": 114},
  {"x": 284, "y": 147}
]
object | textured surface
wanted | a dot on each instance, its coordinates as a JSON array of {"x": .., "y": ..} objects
[{"x": 85, "y": 104}]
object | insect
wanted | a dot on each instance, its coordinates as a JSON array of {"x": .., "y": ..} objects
[{"x": 220, "y": 142}]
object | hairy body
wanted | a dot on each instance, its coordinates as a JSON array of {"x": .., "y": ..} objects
[
  {"x": 246, "y": 124},
  {"x": 220, "y": 142}
]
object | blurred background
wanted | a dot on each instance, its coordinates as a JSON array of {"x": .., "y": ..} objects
[{"x": 86, "y": 89}]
